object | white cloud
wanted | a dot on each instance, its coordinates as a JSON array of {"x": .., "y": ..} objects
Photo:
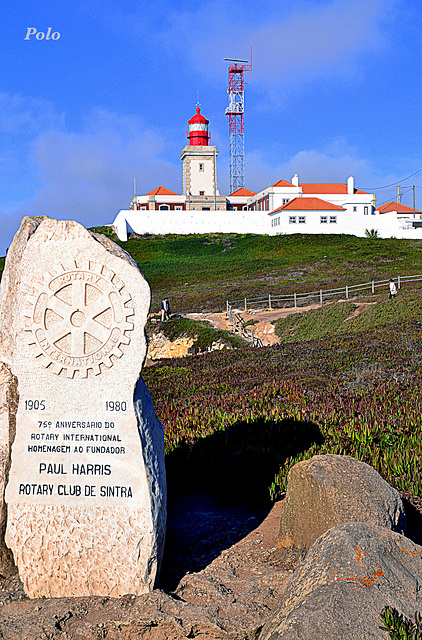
[
  {"x": 26, "y": 116},
  {"x": 292, "y": 40},
  {"x": 309, "y": 40},
  {"x": 88, "y": 176},
  {"x": 333, "y": 163}
]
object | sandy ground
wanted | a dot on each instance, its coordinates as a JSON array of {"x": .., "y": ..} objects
[{"x": 264, "y": 328}]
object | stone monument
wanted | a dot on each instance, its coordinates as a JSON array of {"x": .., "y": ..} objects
[{"x": 85, "y": 492}]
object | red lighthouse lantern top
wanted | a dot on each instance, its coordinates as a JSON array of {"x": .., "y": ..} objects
[{"x": 198, "y": 130}]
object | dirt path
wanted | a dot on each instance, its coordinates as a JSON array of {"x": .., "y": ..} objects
[
  {"x": 360, "y": 308},
  {"x": 264, "y": 328}
]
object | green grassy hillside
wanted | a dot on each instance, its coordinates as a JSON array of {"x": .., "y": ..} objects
[
  {"x": 236, "y": 421},
  {"x": 338, "y": 318},
  {"x": 200, "y": 272}
]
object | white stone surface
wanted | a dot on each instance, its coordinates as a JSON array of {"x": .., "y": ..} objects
[
  {"x": 187, "y": 222},
  {"x": 86, "y": 490}
]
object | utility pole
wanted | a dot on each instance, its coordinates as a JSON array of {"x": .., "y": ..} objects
[
  {"x": 399, "y": 193},
  {"x": 414, "y": 201}
]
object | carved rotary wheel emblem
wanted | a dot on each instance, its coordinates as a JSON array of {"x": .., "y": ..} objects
[{"x": 78, "y": 318}]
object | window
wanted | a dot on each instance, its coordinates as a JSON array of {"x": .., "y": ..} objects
[
  {"x": 333, "y": 219},
  {"x": 292, "y": 219},
  {"x": 163, "y": 206},
  {"x": 323, "y": 219},
  {"x": 202, "y": 193},
  {"x": 355, "y": 209},
  {"x": 286, "y": 200},
  {"x": 178, "y": 208},
  {"x": 365, "y": 211},
  {"x": 143, "y": 208},
  {"x": 302, "y": 219},
  {"x": 206, "y": 208},
  {"x": 201, "y": 166},
  {"x": 275, "y": 222}
]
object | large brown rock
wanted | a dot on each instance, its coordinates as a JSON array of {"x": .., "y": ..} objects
[
  {"x": 349, "y": 575},
  {"x": 85, "y": 482},
  {"x": 330, "y": 489}
]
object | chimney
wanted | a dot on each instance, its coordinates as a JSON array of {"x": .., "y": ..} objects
[
  {"x": 350, "y": 185},
  {"x": 295, "y": 180}
]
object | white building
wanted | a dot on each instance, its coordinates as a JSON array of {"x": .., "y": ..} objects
[{"x": 283, "y": 208}]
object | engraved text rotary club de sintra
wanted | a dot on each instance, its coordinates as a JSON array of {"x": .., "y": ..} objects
[{"x": 78, "y": 317}]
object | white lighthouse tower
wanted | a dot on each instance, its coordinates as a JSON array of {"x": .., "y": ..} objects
[{"x": 200, "y": 167}]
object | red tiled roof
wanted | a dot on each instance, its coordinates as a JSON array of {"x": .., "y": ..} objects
[
  {"x": 282, "y": 183},
  {"x": 326, "y": 187},
  {"x": 162, "y": 191},
  {"x": 243, "y": 192},
  {"x": 396, "y": 206},
  {"x": 309, "y": 204}
]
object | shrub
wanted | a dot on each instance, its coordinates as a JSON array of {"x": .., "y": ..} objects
[{"x": 399, "y": 627}]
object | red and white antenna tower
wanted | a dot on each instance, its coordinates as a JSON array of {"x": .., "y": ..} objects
[{"x": 235, "y": 112}]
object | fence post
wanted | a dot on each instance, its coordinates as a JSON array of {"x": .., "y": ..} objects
[
  {"x": 295, "y": 298},
  {"x": 347, "y": 292},
  {"x": 269, "y": 302},
  {"x": 253, "y": 339},
  {"x": 227, "y": 308},
  {"x": 373, "y": 286},
  {"x": 398, "y": 282},
  {"x": 246, "y": 306},
  {"x": 320, "y": 296}
]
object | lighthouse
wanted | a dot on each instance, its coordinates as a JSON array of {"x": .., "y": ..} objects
[
  {"x": 198, "y": 130},
  {"x": 199, "y": 159}
]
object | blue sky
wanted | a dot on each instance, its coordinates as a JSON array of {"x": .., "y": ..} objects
[{"x": 335, "y": 91}]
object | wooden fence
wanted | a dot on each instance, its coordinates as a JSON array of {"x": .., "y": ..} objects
[{"x": 306, "y": 298}]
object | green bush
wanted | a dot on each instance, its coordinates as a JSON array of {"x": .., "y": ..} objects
[{"x": 399, "y": 627}]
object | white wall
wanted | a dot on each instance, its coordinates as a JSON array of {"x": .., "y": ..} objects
[
  {"x": 354, "y": 223},
  {"x": 202, "y": 180},
  {"x": 186, "y": 222}
]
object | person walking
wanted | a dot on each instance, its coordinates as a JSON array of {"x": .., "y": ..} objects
[
  {"x": 393, "y": 290},
  {"x": 165, "y": 310}
]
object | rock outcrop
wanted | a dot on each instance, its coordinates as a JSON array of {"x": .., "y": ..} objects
[
  {"x": 350, "y": 574},
  {"x": 160, "y": 347},
  {"x": 328, "y": 490}
]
